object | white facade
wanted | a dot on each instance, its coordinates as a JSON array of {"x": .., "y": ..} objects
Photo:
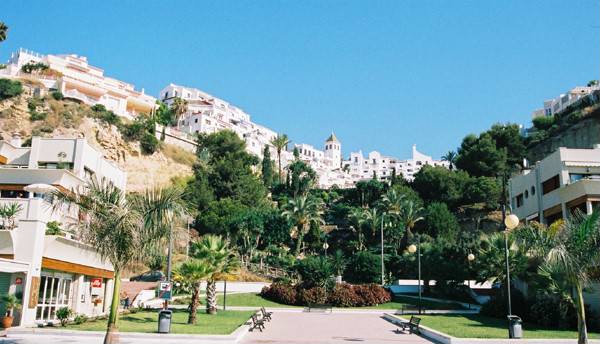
[
  {"x": 383, "y": 167},
  {"x": 76, "y": 79},
  {"x": 560, "y": 103},
  {"x": 50, "y": 271},
  {"x": 564, "y": 181}
]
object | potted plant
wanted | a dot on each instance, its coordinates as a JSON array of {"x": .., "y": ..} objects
[{"x": 10, "y": 303}]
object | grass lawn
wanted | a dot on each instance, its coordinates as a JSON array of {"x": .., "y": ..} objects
[
  {"x": 225, "y": 322},
  {"x": 255, "y": 300},
  {"x": 479, "y": 326}
]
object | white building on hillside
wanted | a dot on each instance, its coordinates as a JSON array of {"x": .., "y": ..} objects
[
  {"x": 208, "y": 114},
  {"x": 564, "y": 181},
  {"x": 76, "y": 79},
  {"x": 383, "y": 167},
  {"x": 47, "y": 271},
  {"x": 560, "y": 103}
]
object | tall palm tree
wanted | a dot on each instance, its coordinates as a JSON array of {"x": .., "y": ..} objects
[
  {"x": 119, "y": 227},
  {"x": 216, "y": 253},
  {"x": 450, "y": 157},
  {"x": 191, "y": 274},
  {"x": 410, "y": 214},
  {"x": 3, "y": 31},
  {"x": 357, "y": 220},
  {"x": 303, "y": 211},
  {"x": 179, "y": 107},
  {"x": 392, "y": 202},
  {"x": 569, "y": 257},
  {"x": 280, "y": 143}
]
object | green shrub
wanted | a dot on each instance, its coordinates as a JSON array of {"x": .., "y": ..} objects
[
  {"x": 33, "y": 103},
  {"x": 364, "y": 267},
  {"x": 53, "y": 228},
  {"x": 149, "y": 143},
  {"x": 45, "y": 128},
  {"x": 543, "y": 122},
  {"x": 315, "y": 271},
  {"x": 80, "y": 319},
  {"x": 9, "y": 89},
  {"x": 57, "y": 95},
  {"x": 63, "y": 315},
  {"x": 37, "y": 116},
  {"x": 497, "y": 305}
]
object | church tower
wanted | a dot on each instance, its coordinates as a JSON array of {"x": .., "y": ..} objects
[{"x": 333, "y": 150}]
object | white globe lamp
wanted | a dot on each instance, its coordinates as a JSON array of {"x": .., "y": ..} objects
[
  {"x": 511, "y": 222},
  {"x": 471, "y": 257},
  {"x": 412, "y": 248}
]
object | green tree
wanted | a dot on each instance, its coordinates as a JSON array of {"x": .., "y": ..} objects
[
  {"x": 191, "y": 274},
  {"x": 303, "y": 211},
  {"x": 9, "y": 89},
  {"x": 122, "y": 229},
  {"x": 315, "y": 271},
  {"x": 280, "y": 143},
  {"x": 479, "y": 156},
  {"x": 179, "y": 107},
  {"x": 491, "y": 259},
  {"x": 303, "y": 177},
  {"x": 508, "y": 138},
  {"x": 3, "y": 31},
  {"x": 440, "y": 222},
  {"x": 364, "y": 267},
  {"x": 450, "y": 157},
  {"x": 267, "y": 168},
  {"x": 217, "y": 254}
]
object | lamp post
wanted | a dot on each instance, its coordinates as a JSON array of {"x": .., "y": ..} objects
[
  {"x": 325, "y": 247},
  {"x": 511, "y": 222},
  {"x": 382, "y": 266},
  {"x": 470, "y": 258},
  {"x": 413, "y": 249}
]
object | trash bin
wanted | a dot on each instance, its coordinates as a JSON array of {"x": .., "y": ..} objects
[
  {"x": 515, "y": 327},
  {"x": 164, "y": 321}
]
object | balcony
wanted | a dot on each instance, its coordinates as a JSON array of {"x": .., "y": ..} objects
[{"x": 580, "y": 188}]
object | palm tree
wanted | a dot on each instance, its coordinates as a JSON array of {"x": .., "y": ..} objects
[
  {"x": 357, "y": 220},
  {"x": 303, "y": 211},
  {"x": 191, "y": 274},
  {"x": 3, "y": 31},
  {"x": 220, "y": 258},
  {"x": 569, "y": 257},
  {"x": 410, "y": 214},
  {"x": 372, "y": 219},
  {"x": 179, "y": 107},
  {"x": 450, "y": 157},
  {"x": 491, "y": 259},
  {"x": 280, "y": 143},
  {"x": 121, "y": 228},
  {"x": 392, "y": 202},
  {"x": 8, "y": 213}
]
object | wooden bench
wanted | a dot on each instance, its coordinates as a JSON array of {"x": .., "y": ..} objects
[
  {"x": 265, "y": 315},
  {"x": 412, "y": 309},
  {"x": 412, "y": 325},
  {"x": 257, "y": 323},
  {"x": 324, "y": 307}
]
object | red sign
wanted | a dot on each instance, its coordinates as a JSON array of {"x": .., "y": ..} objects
[
  {"x": 96, "y": 282},
  {"x": 18, "y": 281}
]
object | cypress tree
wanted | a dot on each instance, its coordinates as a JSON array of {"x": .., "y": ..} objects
[{"x": 267, "y": 168}]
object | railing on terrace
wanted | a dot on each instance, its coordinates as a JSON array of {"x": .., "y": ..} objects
[{"x": 270, "y": 271}]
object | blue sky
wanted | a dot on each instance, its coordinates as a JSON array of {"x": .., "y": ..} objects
[{"x": 382, "y": 74}]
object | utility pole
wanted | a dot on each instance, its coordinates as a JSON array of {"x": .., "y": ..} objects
[{"x": 382, "y": 266}]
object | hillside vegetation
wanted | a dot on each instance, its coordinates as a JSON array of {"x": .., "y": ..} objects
[{"x": 34, "y": 113}]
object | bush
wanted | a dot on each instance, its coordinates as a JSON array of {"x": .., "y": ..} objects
[
  {"x": 80, "y": 319},
  {"x": 149, "y": 143},
  {"x": 53, "y": 228},
  {"x": 497, "y": 305},
  {"x": 364, "y": 267},
  {"x": 372, "y": 294},
  {"x": 315, "y": 271},
  {"x": 57, "y": 95},
  {"x": 280, "y": 292},
  {"x": 543, "y": 122},
  {"x": 63, "y": 315},
  {"x": 316, "y": 295},
  {"x": 37, "y": 116},
  {"x": 344, "y": 295},
  {"x": 9, "y": 89}
]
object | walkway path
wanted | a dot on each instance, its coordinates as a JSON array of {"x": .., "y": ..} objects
[{"x": 325, "y": 328}]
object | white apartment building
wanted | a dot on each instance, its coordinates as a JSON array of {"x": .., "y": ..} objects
[
  {"x": 560, "y": 103},
  {"x": 555, "y": 187},
  {"x": 209, "y": 114},
  {"x": 47, "y": 272},
  {"x": 75, "y": 78},
  {"x": 361, "y": 167}
]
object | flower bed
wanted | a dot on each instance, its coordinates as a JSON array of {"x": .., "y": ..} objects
[{"x": 342, "y": 295}]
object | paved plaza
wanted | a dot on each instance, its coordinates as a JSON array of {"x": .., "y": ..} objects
[{"x": 287, "y": 327}]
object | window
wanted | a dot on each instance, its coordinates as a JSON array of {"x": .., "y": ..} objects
[
  {"x": 54, "y": 293},
  {"x": 526, "y": 194},
  {"x": 550, "y": 184},
  {"x": 195, "y": 120},
  {"x": 519, "y": 200},
  {"x": 532, "y": 190}
]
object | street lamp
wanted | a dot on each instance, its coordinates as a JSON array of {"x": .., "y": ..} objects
[
  {"x": 325, "y": 247},
  {"x": 470, "y": 258},
  {"x": 413, "y": 249},
  {"x": 511, "y": 222}
]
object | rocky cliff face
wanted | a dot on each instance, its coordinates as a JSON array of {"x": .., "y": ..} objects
[{"x": 65, "y": 118}]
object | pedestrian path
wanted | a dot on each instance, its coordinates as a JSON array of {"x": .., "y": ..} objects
[{"x": 326, "y": 328}]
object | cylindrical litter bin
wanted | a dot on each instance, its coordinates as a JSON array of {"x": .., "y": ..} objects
[
  {"x": 515, "y": 327},
  {"x": 164, "y": 321}
]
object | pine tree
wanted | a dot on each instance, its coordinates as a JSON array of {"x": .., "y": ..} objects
[{"x": 267, "y": 168}]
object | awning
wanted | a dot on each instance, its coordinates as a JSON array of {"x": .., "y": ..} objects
[
  {"x": 582, "y": 164},
  {"x": 11, "y": 266}
]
